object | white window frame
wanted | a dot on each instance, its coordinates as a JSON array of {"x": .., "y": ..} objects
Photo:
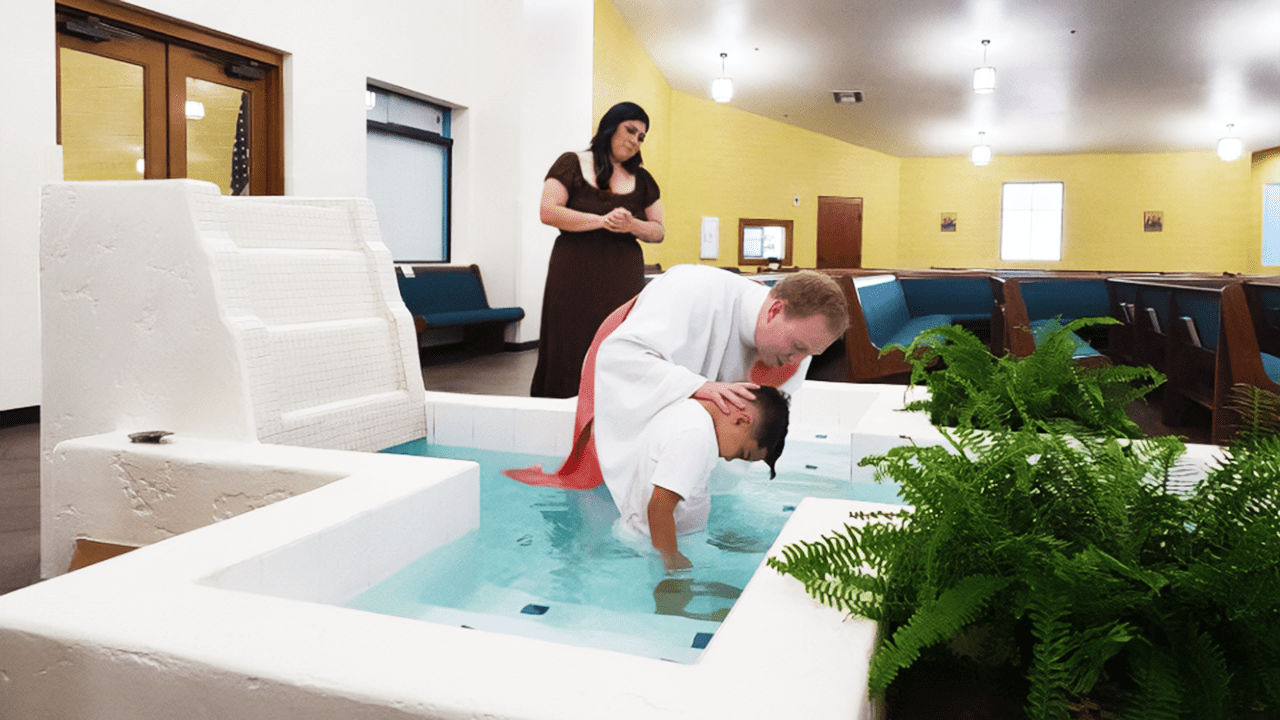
[{"x": 1031, "y": 221}]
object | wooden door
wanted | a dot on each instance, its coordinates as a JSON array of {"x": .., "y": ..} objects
[{"x": 839, "y": 232}]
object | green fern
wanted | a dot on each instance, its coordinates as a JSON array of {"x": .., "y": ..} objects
[
  {"x": 1077, "y": 546},
  {"x": 935, "y": 621},
  {"x": 1045, "y": 390},
  {"x": 1158, "y": 690}
]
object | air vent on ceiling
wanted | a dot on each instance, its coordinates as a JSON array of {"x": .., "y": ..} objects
[{"x": 847, "y": 96}]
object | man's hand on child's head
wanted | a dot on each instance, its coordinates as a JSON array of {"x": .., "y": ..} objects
[{"x": 727, "y": 396}]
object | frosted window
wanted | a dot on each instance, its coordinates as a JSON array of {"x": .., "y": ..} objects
[
  {"x": 407, "y": 187},
  {"x": 409, "y": 170},
  {"x": 1271, "y": 224},
  {"x": 1031, "y": 221}
]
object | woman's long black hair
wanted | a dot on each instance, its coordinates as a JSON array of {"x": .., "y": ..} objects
[{"x": 601, "y": 144}]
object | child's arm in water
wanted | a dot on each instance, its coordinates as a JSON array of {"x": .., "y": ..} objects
[{"x": 662, "y": 528}]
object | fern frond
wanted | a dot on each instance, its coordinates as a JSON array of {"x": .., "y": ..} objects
[
  {"x": 1207, "y": 699},
  {"x": 932, "y": 623},
  {"x": 1048, "y": 675},
  {"x": 1158, "y": 695}
]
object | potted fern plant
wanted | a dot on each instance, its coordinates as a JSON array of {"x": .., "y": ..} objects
[
  {"x": 1044, "y": 390},
  {"x": 1071, "y": 565}
]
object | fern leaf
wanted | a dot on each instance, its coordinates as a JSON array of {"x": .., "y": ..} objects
[
  {"x": 1048, "y": 675},
  {"x": 932, "y": 623},
  {"x": 1158, "y": 695}
]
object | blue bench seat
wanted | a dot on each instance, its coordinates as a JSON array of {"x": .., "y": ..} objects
[
  {"x": 889, "y": 321},
  {"x": 453, "y": 296}
]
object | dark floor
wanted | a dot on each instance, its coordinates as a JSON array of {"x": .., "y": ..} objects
[{"x": 500, "y": 374}]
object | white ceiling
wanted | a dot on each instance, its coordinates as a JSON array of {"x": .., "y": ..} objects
[{"x": 1073, "y": 76}]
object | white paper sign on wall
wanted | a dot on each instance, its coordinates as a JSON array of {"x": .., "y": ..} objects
[{"x": 710, "y": 238}]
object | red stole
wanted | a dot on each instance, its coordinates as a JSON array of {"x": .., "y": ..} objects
[{"x": 581, "y": 470}]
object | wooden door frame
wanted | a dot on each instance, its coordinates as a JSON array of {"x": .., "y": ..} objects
[{"x": 267, "y": 176}]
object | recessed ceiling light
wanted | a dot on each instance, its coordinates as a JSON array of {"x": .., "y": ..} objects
[{"x": 847, "y": 96}]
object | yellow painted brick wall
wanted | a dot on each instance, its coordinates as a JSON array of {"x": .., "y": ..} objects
[{"x": 1204, "y": 202}]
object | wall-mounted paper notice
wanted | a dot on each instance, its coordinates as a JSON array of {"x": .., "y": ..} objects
[{"x": 710, "y": 238}]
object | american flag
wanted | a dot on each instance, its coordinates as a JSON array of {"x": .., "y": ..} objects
[{"x": 240, "y": 154}]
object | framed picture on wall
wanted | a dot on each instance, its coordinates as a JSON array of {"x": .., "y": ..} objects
[
  {"x": 1153, "y": 221},
  {"x": 948, "y": 223}
]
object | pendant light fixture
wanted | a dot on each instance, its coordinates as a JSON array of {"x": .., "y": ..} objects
[
  {"x": 984, "y": 78},
  {"x": 1230, "y": 147},
  {"x": 722, "y": 87},
  {"x": 981, "y": 153}
]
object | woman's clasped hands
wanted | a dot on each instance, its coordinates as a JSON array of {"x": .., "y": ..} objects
[{"x": 618, "y": 220}]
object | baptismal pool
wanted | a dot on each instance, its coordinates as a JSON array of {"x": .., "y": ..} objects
[{"x": 547, "y": 563}]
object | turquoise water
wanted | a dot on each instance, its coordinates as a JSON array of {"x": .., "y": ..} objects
[{"x": 546, "y": 563}]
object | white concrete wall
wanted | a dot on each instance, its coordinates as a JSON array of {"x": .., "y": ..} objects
[
  {"x": 170, "y": 307},
  {"x": 29, "y": 157},
  {"x": 518, "y": 72}
]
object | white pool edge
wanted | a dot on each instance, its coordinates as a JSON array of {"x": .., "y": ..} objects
[{"x": 145, "y": 634}]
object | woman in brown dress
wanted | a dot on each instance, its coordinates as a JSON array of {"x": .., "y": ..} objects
[{"x": 603, "y": 202}]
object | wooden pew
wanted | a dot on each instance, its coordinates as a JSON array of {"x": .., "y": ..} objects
[
  {"x": 1023, "y": 307},
  {"x": 1194, "y": 319},
  {"x": 864, "y": 363},
  {"x": 1249, "y": 345}
]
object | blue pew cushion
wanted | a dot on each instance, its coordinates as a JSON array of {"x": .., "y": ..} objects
[
  {"x": 446, "y": 298},
  {"x": 1071, "y": 299},
  {"x": 958, "y": 298},
  {"x": 1042, "y": 329},
  {"x": 466, "y": 317},
  {"x": 914, "y": 327},
  {"x": 884, "y": 307},
  {"x": 1271, "y": 366}
]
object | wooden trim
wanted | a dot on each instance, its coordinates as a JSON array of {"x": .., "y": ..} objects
[
  {"x": 184, "y": 39},
  {"x": 88, "y": 552},
  {"x": 149, "y": 54},
  {"x": 173, "y": 28},
  {"x": 788, "y": 225}
]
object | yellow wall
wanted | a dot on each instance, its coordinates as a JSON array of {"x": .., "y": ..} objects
[
  {"x": 731, "y": 164},
  {"x": 716, "y": 160},
  {"x": 1202, "y": 198}
]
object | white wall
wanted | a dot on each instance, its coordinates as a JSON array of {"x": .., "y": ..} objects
[
  {"x": 519, "y": 72},
  {"x": 29, "y": 157}
]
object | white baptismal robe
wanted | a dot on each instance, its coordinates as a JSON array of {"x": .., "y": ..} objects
[{"x": 693, "y": 324}]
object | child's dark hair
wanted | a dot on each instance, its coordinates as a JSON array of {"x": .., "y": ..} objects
[{"x": 773, "y": 414}]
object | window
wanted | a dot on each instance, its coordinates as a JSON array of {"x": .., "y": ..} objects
[
  {"x": 144, "y": 96},
  {"x": 764, "y": 242},
  {"x": 1271, "y": 224},
  {"x": 410, "y": 158},
  {"x": 1031, "y": 221}
]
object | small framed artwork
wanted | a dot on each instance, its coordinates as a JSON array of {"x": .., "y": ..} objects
[
  {"x": 948, "y": 222},
  {"x": 1153, "y": 221}
]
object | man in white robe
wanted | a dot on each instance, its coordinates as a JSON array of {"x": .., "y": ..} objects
[{"x": 697, "y": 331}]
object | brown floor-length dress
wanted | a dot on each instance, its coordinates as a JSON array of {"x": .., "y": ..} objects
[{"x": 590, "y": 274}]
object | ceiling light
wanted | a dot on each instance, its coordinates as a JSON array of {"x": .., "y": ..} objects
[
  {"x": 195, "y": 109},
  {"x": 722, "y": 87},
  {"x": 981, "y": 154},
  {"x": 1230, "y": 147},
  {"x": 984, "y": 78},
  {"x": 847, "y": 96}
]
